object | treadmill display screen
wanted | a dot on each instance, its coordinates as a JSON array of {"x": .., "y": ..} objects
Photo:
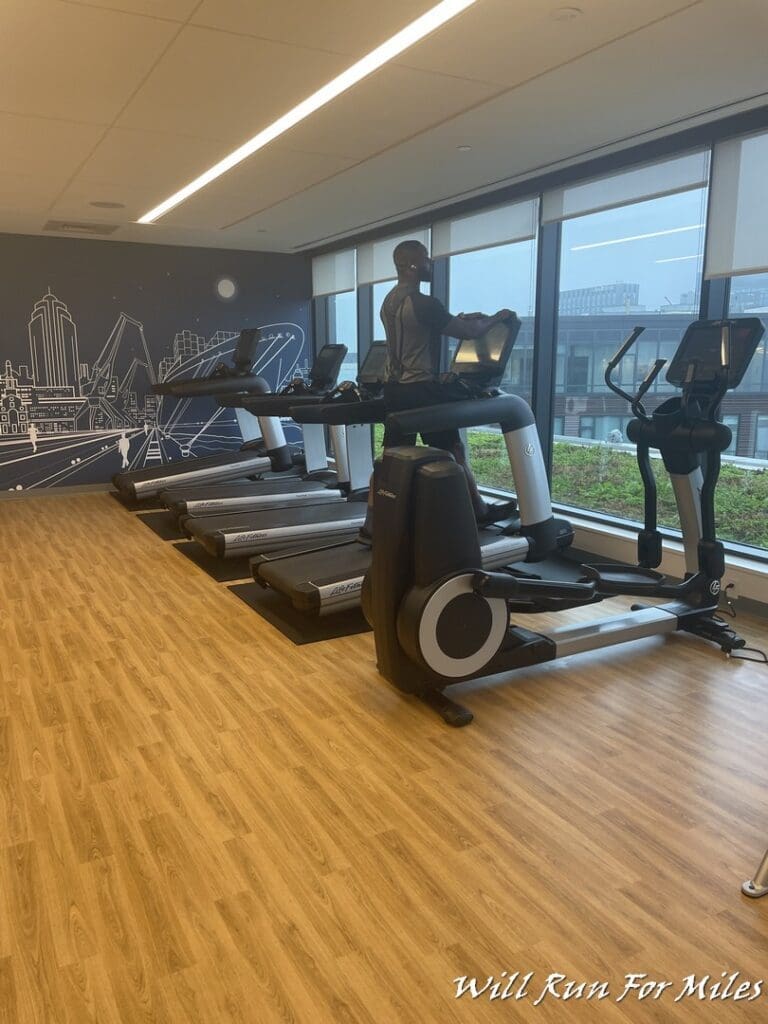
[
  {"x": 700, "y": 354},
  {"x": 374, "y": 364},
  {"x": 482, "y": 355}
]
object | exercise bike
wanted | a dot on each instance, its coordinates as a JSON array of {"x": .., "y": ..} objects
[{"x": 439, "y": 619}]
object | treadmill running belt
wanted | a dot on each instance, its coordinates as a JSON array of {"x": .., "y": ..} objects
[
  {"x": 228, "y": 536},
  {"x": 329, "y": 579},
  {"x": 140, "y": 482},
  {"x": 299, "y": 628}
]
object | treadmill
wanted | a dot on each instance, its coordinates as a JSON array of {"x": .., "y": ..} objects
[
  {"x": 258, "y": 454},
  {"x": 235, "y": 536},
  {"x": 329, "y": 579},
  {"x": 313, "y": 488}
]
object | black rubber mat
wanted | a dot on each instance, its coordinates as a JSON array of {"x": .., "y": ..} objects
[
  {"x": 223, "y": 570},
  {"x": 134, "y": 505},
  {"x": 296, "y": 627},
  {"x": 163, "y": 524}
]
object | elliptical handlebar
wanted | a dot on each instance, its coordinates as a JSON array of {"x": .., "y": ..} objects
[
  {"x": 637, "y": 405},
  {"x": 625, "y": 346},
  {"x": 635, "y": 402}
]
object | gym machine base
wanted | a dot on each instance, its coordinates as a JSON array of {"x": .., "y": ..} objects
[
  {"x": 439, "y": 619},
  {"x": 328, "y": 579},
  {"x": 256, "y": 455},
  {"x": 758, "y": 886},
  {"x": 315, "y": 486}
]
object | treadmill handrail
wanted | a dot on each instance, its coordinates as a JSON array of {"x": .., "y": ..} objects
[
  {"x": 336, "y": 414},
  {"x": 213, "y": 386},
  {"x": 276, "y": 404},
  {"x": 510, "y": 411}
]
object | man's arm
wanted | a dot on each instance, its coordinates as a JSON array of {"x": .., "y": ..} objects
[{"x": 474, "y": 325}]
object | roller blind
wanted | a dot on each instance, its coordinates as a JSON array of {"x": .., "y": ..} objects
[
  {"x": 374, "y": 259},
  {"x": 737, "y": 234},
  {"x": 659, "y": 179},
  {"x": 334, "y": 272},
  {"x": 513, "y": 222}
]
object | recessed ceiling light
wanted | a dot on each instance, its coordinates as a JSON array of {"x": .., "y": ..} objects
[
  {"x": 566, "y": 13},
  {"x": 393, "y": 47},
  {"x": 464, "y": 149},
  {"x": 105, "y": 204}
]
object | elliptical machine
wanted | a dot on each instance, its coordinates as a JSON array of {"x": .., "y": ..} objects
[{"x": 439, "y": 619}]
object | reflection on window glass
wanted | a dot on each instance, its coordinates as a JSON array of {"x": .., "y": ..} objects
[
  {"x": 503, "y": 277},
  {"x": 342, "y": 330}
]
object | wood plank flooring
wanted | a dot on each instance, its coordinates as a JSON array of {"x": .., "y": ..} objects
[{"x": 200, "y": 822}]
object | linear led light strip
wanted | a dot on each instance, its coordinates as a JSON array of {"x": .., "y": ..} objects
[
  {"x": 388, "y": 50},
  {"x": 678, "y": 259},
  {"x": 636, "y": 238}
]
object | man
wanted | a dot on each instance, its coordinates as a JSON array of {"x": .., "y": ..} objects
[{"x": 414, "y": 324}]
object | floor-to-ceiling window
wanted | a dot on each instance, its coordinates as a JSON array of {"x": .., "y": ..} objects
[
  {"x": 638, "y": 263},
  {"x": 737, "y": 248},
  {"x": 742, "y": 494},
  {"x": 492, "y": 266},
  {"x": 334, "y": 288},
  {"x": 342, "y": 329},
  {"x": 484, "y": 281}
]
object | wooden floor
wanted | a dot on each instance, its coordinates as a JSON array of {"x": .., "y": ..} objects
[{"x": 200, "y": 822}]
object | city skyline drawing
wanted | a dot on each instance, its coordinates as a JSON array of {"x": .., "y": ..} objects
[{"x": 61, "y": 416}]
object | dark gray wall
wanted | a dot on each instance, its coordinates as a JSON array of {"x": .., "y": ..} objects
[{"x": 85, "y": 326}]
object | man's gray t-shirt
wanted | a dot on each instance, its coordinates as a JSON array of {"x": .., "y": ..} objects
[{"x": 413, "y": 324}]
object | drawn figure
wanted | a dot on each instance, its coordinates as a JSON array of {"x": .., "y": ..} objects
[
  {"x": 33, "y": 436},
  {"x": 123, "y": 446}
]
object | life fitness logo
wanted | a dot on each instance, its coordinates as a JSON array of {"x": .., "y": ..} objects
[
  {"x": 530, "y": 450},
  {"x": 714, "y": 588}
]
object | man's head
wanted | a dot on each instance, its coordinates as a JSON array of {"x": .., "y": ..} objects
[{"x": 412, "y": 261}]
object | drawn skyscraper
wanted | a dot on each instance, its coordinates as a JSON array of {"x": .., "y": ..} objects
[{"x": 53, "y": 344}]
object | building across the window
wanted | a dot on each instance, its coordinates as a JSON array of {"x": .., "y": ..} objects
[
  {"x": 585, "y": 408},
  {"x": 601, "y": 299}
]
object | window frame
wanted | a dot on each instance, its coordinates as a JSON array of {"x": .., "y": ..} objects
[{"x": 714, "y": 293}]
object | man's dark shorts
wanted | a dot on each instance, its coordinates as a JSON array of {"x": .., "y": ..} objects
[{"x": 399, "y": 397}]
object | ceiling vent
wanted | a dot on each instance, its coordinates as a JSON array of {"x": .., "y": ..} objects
[{"x": 73, "y": 227}]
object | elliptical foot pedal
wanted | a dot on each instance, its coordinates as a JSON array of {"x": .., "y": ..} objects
[
  {"x": 624, "y": 579},
  {"x": 453, "y": 714}
]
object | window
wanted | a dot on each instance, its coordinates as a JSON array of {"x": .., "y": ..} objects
[
  {"x": 380, "y": 291},
  {"x": 638, "y": 264},
  {"x": 502, "y": 277},
  {"x": 733, "y": 423},
  {"x": 761, "y": 437},
  {"x": 342, "y": 329},
  {"x": 608, "y": 429},
  {"x": 334, "y": 285},
  {"x": 742, "y": 491}
]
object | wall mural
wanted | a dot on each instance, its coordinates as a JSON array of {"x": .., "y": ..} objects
[{"x": 77, "y": 409}]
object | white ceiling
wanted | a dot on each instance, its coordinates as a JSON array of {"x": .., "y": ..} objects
[{"x": 127, "y": 100}]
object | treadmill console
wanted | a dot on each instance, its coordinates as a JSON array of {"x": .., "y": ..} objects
[
  {"x": 482, "y": 361},
  {"x": 247, "y": 345},
  {"x": 702, "y": 357},
  {"x": 374, "y": 365},
  {"x": 325, "y": 369}
]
